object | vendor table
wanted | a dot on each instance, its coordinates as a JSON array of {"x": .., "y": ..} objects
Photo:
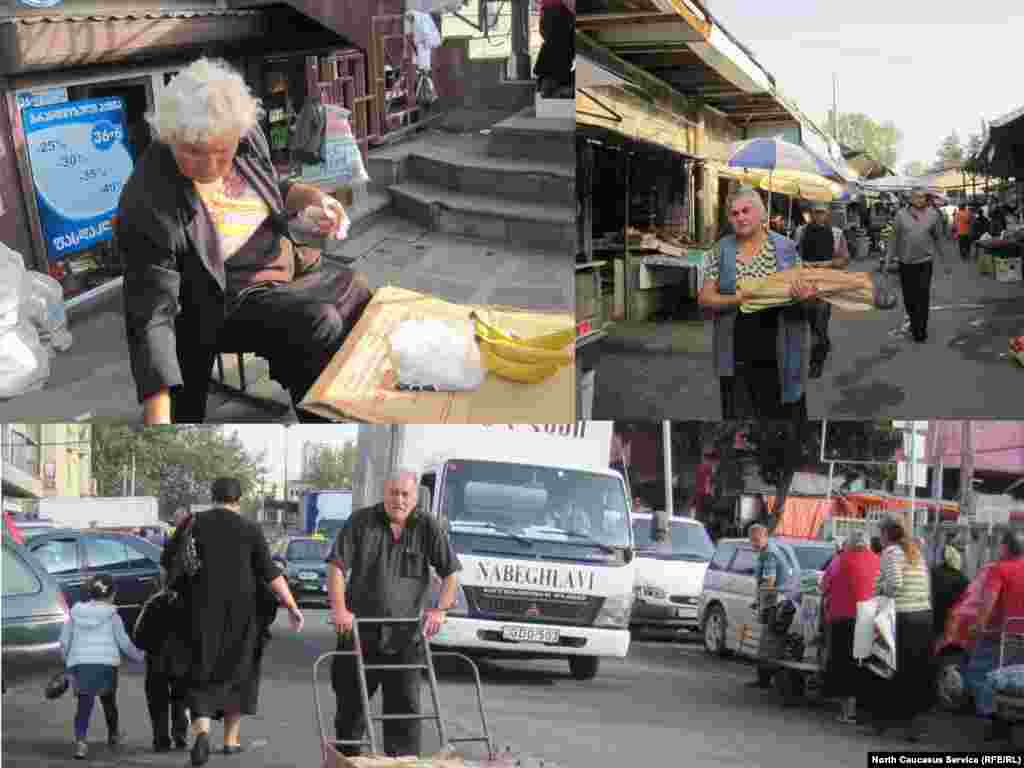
[{"x": 360, "y": 382}]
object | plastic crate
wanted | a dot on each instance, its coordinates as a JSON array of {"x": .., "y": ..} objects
[{"x": 1008, "y": 270}]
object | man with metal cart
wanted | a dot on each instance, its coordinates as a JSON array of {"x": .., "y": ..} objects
[
  {"x": 772, "y": 573},
  {"x": 380, "y": 567}
]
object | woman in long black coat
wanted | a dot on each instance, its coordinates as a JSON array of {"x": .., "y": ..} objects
[{"x": 229, "y": 605}]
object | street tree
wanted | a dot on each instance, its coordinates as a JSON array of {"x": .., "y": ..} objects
[
  {"x": 331, "y": 467},
  {"x": 177, "y": 464},
  {"x": 915, "y": 168},
  {"x": 950, "y": 150},
  {"x": 881, "y": 140}
]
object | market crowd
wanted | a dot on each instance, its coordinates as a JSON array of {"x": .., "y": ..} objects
[{"x": 895, "y": 566}]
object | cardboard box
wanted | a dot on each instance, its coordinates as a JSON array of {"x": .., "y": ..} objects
[
  {"x": 335, "y": 759},
  {"x": 360, "y": 382}
]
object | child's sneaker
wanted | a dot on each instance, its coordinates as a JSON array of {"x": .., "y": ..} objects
[{"x": 81, "y": 750}]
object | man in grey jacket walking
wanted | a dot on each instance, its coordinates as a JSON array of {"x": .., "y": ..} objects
[{"x": 917, "y": 240}]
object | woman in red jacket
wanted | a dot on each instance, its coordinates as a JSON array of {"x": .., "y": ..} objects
[{"x": 852, "y": 581}]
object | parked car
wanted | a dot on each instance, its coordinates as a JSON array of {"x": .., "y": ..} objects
[
  {"x": 72, "y": 556},
  {"x": 730, "y": 589},
  {"x": 669, "y": 575},
  {"x": 302, "y": 559},
  {"x": 953, "y": 648},
  {"x": 34, "y": 611}
]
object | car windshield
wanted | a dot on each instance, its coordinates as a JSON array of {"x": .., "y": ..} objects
[
  {"x": 813, "y": 558},
  {"x": 329, "y": 528},
  {"x": 526, "y": 504},
  {"x": 334, "y": 504},
  {"x": 686, "y": 541},
  {"x": 307, "y": 549}
]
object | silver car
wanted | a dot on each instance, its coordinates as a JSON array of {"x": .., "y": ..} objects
[{"x": 727, "y": 618}]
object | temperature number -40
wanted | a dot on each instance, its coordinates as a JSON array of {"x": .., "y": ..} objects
[{"x": 113, "y": 186}]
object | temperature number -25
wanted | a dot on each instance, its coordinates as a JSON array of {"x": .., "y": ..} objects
[{"x": 50, "y": 145}]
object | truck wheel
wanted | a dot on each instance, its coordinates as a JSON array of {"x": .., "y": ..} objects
[{"x": 584, "y": 667}]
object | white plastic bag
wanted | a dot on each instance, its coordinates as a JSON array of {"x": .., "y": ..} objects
[
  {"x": 12, "y": 284},
  {"x": 24, "y": 364},
  {"x": 43, "y": 306},
  {"x": 436, "y": 356}
]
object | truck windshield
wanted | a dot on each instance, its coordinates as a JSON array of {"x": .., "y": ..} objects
[
  {"x": 307, "y": 549},
  {"x": 571, "y": 509}
]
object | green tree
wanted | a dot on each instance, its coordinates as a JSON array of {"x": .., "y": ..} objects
[
  {"x": 859, "y": 131},
  {"x": 177, "y": 464},
  {"x": 950, "y": 150},
  {"x": 331, "y": 467},
  {"x": 915, "y": 168}
]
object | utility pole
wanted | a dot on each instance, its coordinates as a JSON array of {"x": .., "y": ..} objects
[
  {"x": 835, "y": 107},
  {"x": 967, "y": 487},
  {"x": 285, "y": 512},
  {"x": 913, "y": 477},
  {"x": 133, "y": 473},
  {"x": 666, "y": 438}
]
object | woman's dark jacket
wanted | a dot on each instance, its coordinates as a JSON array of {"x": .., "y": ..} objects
[
  {"x": 174, "y": 286},
  {"x": 947, "y": 585}
]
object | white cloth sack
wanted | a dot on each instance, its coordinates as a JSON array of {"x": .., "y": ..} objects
[
  {"x": 874, "y": 635},
  {"x": 24, "y": 364},
  {"x": 12, "y": 285},
  {"x": 425, "y": 36},
  {"x": 432, "y": 354},
  {"x": 43, "y": 306}
]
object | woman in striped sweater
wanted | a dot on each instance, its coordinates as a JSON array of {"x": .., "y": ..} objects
[{"x": 900, "y": 701}]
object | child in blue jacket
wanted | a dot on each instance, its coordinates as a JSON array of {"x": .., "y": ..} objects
[{"x": 92, "y": 643}]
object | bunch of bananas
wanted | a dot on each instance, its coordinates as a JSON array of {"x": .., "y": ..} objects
[{"x": 529, "y": 360}]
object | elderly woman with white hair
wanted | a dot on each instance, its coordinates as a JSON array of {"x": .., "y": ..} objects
[
  {"x": 760, "y": 358},
  {"x": 210, "y": 264}
]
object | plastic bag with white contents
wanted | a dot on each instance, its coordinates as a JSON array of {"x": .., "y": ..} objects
[
  {"x": 44, "y": 307},
  {"x": 433, "y": 355},
  {"x": 12, "y": 285},
  {"x": 24, "y": 364}
]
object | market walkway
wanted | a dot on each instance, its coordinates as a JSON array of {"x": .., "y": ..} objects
[{"x": 664, "y": 371}]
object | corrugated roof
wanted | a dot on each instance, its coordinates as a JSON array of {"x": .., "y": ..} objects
[{"x": 126, "y": 16}]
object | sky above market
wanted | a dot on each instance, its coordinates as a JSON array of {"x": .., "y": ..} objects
[
  {"x": 269, "y": 439},
  {"x": 929, "y": 67}
]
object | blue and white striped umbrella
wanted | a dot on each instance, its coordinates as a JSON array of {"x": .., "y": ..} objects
[{"x": 777, "y": 156}]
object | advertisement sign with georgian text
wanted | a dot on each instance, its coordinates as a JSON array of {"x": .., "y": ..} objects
[{"x": 80, "y": 163}]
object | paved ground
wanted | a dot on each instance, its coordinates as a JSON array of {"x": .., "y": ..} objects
[
  {"x": 659, "y": 371},
  {"x": 667, "y": 704},
  {"x": 93, "y": 379}
]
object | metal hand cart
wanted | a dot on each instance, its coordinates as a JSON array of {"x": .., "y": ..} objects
[
  {"x": 795, "y": 680},
  {"x": 330, "y": 747},
  {"x": 1009, "y": 707}
]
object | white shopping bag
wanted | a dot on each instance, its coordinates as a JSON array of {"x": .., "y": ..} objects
[{"x": 874, "y": 635}]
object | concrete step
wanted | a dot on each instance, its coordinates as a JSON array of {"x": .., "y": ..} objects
[
  {"x": 540, "y": 139},
  {"x": 486, "y": 216},
  {"x": 508, "y": 178}
]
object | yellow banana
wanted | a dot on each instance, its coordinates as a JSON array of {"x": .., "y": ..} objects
[
  {"x": 555, "y": 340},
  {"x": 525, "y": 373},
  {"x": 520, "y": 353}
]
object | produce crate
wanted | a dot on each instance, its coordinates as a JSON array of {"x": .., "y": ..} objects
[{"x": 1008, "y": 270}]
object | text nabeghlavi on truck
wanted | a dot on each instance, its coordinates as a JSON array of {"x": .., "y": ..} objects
[{"x": 541, "y": 526}]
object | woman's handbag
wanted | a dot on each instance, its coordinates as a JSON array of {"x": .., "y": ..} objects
[
  {"x": 158, "y": 615},
  {"x": 58, "y": 685}
]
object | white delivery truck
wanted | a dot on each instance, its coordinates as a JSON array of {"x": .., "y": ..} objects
[
  {"x": 101, "y": 512},
  {"x": 540, "y": 523}
]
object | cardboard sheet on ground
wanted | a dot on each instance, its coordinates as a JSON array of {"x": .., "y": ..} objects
[
  {"x": 847, "y": 291},
  {"x": 360, "y": 382}
]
